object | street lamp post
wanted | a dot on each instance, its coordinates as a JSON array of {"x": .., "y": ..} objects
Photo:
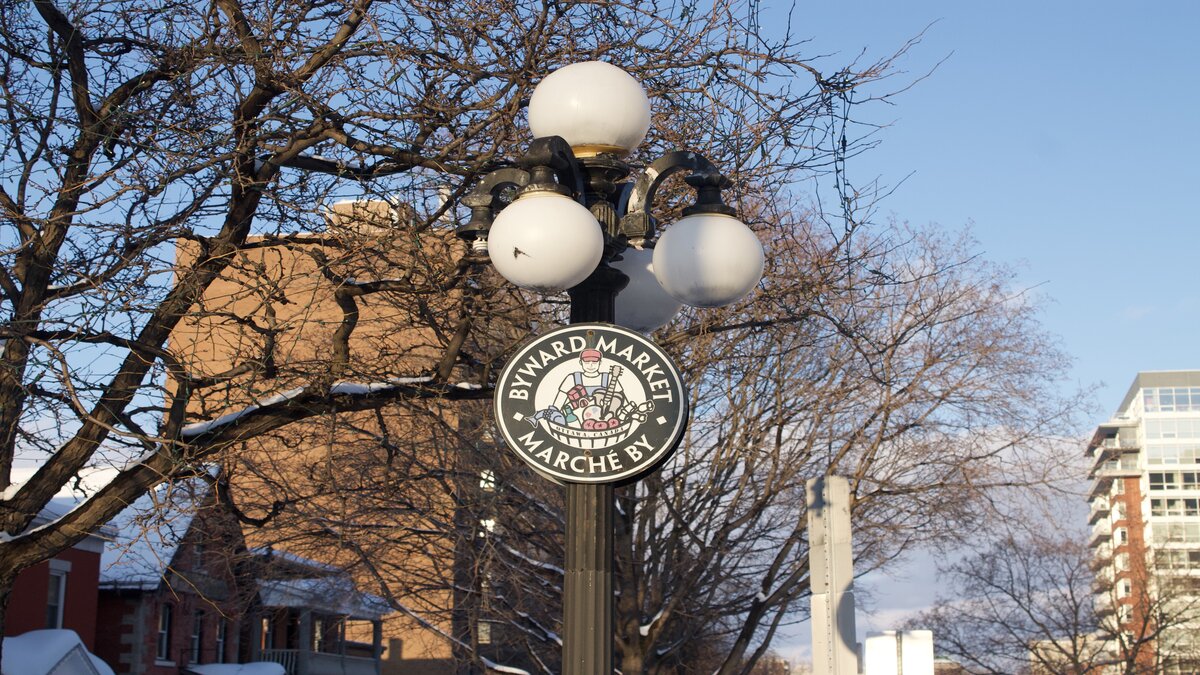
[{"x": 569, "y": 218}]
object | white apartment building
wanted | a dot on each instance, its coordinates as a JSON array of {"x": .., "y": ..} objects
[{"x": 1145, "y": 516}]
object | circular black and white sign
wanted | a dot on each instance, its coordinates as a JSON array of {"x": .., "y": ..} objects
[{"x": 591, "y": 403}]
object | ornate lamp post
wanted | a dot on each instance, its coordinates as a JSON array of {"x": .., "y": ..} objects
[{"x": 571, "y": 219}]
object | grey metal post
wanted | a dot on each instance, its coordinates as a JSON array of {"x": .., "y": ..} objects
[
  {"x": 256, "y": 635},
  {"x": 831, "y": 561},
  {"x": 377, "y": 644},
  {"x": 588, "y": 588},
  {"x": 305, "y": 638},
  {"x": 588, "y": 596}
]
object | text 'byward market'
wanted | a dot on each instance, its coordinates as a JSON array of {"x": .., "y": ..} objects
[{"x": 656, "y": 378}]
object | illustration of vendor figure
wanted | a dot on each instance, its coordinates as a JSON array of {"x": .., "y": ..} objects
[{"x": 593, "y": 400}]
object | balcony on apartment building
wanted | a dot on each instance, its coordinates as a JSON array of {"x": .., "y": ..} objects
[
  {"x": 1098, "y": 507},
  {"x": 1102, "y": 559},
  {"x": 1101, "y": 533},
  {"x": 1117, "y": 432},
  {"x": 1118, "y": 463},
  {"x": 1103, "y": 602},
  {"x": 1113, "y": 454},
  {"x": 1105, "y": 576}
]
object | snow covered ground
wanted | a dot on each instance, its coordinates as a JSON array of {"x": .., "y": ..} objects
[{"x": 258, "y": 668}]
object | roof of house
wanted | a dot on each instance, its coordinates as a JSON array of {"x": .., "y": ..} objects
[
  {"x": 148, "y": 532},
  {"x": 58, "y": 507},
  {"x": 334, "y": 594}
]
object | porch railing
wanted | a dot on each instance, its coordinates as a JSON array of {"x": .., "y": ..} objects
[
  {"x": 320, "y": 663},
  {"x": 284, "y": 657}
]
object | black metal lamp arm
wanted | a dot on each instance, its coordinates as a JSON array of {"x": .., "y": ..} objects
[
  {"x": 494, "y": 191},
  {"x": 637, "y": 223}
]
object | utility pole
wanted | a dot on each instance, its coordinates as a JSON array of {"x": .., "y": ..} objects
[{"x": 831, "y": 561}]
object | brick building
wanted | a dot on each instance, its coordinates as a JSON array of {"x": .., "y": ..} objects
[
  {"x": 60, "y": 592},
  {"x": 285, "y": 305},
  {"x": 1145, "y": 517},
  {"x": 180, "y": 588}
]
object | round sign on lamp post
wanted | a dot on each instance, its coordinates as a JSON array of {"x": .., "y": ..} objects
[{"x": 591, "y": 403}]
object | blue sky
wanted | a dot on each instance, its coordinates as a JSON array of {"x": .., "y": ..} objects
[{"x": 1067, "y": 136}]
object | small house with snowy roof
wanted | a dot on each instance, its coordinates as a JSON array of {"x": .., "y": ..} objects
[
  {"x": 179, "y": 588},
  {"x": 59, "y": 593}
]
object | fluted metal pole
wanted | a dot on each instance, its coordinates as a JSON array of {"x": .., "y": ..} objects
[
  {"x": 588, "y": 593},
  {"x": 588, "y": 596}
]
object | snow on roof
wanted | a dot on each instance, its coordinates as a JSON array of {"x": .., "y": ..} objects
[
  {"x": 148, "y": 532},
  {"x": 270, "y": 552},
  {"x": 41, "y": 652},
  {"x": 58, "y": 507},
  {"x": 318, "y": 586},
  {"x": 334, "y": 594}
]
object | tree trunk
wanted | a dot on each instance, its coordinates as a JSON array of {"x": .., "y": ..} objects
[{"x": 7, "y": 579}]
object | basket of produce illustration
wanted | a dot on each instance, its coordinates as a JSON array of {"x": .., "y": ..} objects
[
  {"x": 591, "y": 439},
  {"x": 593, "y": 418}
]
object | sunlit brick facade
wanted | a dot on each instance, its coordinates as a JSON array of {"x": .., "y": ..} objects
[{"x": 286, "y": 292}]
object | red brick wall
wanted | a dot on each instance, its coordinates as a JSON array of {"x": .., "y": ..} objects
[
  {"x": 129, "y": 619},
  {"x": 120, "y": 623},
  {"x": 27, "y": 606},
  {"x": 115, "y": 629}
]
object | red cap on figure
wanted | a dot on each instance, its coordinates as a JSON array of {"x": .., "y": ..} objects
[{"x": 590, "y": 355}]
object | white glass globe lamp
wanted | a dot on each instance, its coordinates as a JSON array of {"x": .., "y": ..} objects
[
  {"x": 708, "y": 260},
  {"x": 643, "y": 305},
  {"x": 595, "y": 106},
  {"x": 545, "y": 241}
]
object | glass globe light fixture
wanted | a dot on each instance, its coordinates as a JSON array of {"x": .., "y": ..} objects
[
  {"x": 708, "y": 260},
  {"x": 594, "y": 106},
  {"x": 545, "y": 241},
  {"x": 643, "y": 305}
]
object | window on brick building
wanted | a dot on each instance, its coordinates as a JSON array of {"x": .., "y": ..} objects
[
  {"x": 197, "y": 644},
  {"x": 266, "y": 640},
  {"x": 56, "y": 595},
  {"x": 163, "y": 646},
  {"x": 222, "y": 627}
]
